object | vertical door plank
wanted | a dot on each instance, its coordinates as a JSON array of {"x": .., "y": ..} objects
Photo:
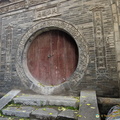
[{"x": 52, "y": 57}]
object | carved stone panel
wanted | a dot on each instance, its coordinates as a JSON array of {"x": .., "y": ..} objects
[
  {"x": 13, "y": 6},
  {"x": 46, "y": 13},
  {"x": 9, "y": 34},
  {"x": 100, "y": 45}
]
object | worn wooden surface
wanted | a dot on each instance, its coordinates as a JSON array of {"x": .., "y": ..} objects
[{"x": 52, "y": 57}]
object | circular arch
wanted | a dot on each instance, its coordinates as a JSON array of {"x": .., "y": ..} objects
[{"x": 21, "y": 65}]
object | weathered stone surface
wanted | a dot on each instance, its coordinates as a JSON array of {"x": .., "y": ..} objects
[
  {"x": 8, "y": 97},
  {"x": 1, "y": 118},
  {"x": 40, "y": 100},
  {"x": 11, "y": 118},
  {"x": 34, "y": 119},
  {"x": 45, "y": 114},
  {"x": 88, "y": 109},
  {"x": 67, "y": 115},
  {"x": 18, "y": 111},
  {"x": 63, "y": 101}
]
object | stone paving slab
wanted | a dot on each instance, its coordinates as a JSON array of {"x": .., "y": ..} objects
[
  {"x": 41, "y": 100},
  {"x": 18, "y": 111},
  {"x": 11, "y": 118},
  {"x": 88, "y": 109},
  {"x": 8, "y": 97},
  {"x": 45, "y": 114},
  {"x": 39, "y": 114},
  {"x": 1, "y": 118},
  {"x": 67, "y": 115}
]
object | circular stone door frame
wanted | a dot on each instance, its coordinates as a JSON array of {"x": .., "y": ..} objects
[{"x": 21, "y": 62}]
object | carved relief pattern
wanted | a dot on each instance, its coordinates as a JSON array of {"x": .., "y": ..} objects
[
  {"x": 21, "y": 4},
  {"x": 46, "y": 13},
  {"x": 14, "y": 6},
  {"x": 100, "y": 46},
  {"x": 9, "y": 33},
  {"x": 33, "y": 2}
]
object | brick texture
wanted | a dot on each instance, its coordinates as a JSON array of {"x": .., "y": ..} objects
[{"x": 93, "y": 18}]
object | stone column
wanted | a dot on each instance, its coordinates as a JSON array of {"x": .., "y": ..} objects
[{"x": 114, "y": 6}]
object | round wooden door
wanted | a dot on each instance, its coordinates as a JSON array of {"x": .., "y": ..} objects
[{"x": 52, "y": 57}]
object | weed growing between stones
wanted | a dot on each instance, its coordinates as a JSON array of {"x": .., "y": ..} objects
[
  {"x": 12, "y": 117},
  {"x": 12, "y": 104},
  {"x": 58, "y": 108}
]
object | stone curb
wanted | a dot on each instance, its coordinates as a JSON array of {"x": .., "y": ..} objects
[{"x": 40, "y": 100}]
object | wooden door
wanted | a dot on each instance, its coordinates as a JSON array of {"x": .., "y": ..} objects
[{"x": 52, "y": 57}]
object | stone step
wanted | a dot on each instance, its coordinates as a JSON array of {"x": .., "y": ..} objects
[
  {"x": 23, "y": 111},
  {"x": 45, "y": 113},
  {"x": 41, "y": 100},
  {"x": 1, "y": 118},
  {"x": 53, "y": 114},
  {"x": 12, "y": 118},
  {"x": 88, "y": 109},
  {"x": 68, "y": 114}
]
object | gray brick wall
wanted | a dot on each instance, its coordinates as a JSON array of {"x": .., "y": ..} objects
[{"x": 93, "y": 18}]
